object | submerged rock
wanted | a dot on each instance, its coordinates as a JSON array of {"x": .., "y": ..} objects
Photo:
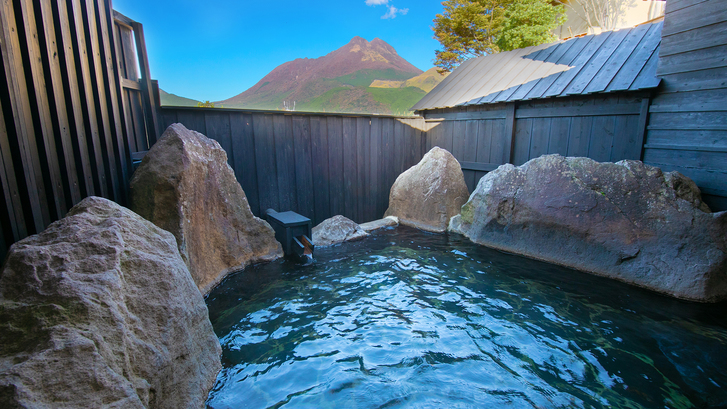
[
  {"x": 185, "y": 186},
  {"x": 337, "y": 229},
  {"x": 99, "y": 311},
  {"x": 624, "y": 220},
  {"x": 428, "y": 194}
]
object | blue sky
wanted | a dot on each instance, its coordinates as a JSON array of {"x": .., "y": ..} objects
[{"x": 215, "y": 49}]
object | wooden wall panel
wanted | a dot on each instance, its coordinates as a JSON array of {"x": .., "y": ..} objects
[
  {"x": 540, "y": 138},
  {"x": 303, "y": 166},
  {"x": 523, "y": 135},
  {"x": 57, "y": 101},
  {"x": 350, "y": 169},
  {"x": 376, "y": 199},
  {"x": 363, "y": 142},
  {"x": 13, "y": 217},
  {"x": 471, "y": 148},
  {"x": 243, "y": 148},
  {"x": 335, "y": 164},
  {"x": 117, "y": 138},
  {"x": 63, "y": 134},
  {"x": 30, "y": 178},
  {"x": 321, "y": 179},
  {"x": 37, "y": 93},
  {"x": 603, "y": 127},
  {"x": 267, "y": 178},
  {"x": 687, "y": 129},
  {"x": 386, "y": 177},
  {"x": 602, "y": 136},
  {"x": 499, "y": 152},
  {"x": 67, "y": 51}
]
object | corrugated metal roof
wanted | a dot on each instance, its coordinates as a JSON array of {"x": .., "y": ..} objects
[{"x": 623, "y": 60}]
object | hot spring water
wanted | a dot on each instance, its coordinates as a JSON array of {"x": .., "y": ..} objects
[{"x": 409, "y": 319}]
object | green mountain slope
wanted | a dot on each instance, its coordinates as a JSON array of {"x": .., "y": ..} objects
[
  {"x": 364, "y": 78},
  {"x": 399, "y": 100},
  {"x": 167, "y": 99},
  {"x": 426, "y": 81}
]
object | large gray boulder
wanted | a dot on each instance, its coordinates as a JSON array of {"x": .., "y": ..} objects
[
  {"x": 428, "y": 194},
  {"x": 185, "y": 186},
  {"x": 99, "y": 311},
  {"x": 337, "y": 229},
  {"x": 624, "y": 220}
]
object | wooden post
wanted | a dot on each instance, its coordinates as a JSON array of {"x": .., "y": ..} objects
[
  {"x": 31, "y": 182},
  {"x": 147, "y": 91},
  {"x": 643, "y": 123},
  {"x": 509, "y": 132}
]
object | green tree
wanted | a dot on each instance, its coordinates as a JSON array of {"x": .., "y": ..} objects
[
  {"x": 472, "y": 28},
  {"x": 528, "y": 23},
  {"x": 604, "y": 14},
  {"x": 467, "y": 29},
  {"x": 206, "y": 104}
]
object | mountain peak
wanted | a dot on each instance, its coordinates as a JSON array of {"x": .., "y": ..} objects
[
  {"x": 378, "y": 41},
  {"x": 352, "y": 67},
  {"x": 381, "y": 44},
  {"x": 358, "y": 40}
]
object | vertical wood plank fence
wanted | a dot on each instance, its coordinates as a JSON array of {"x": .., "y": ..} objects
[
  {"x": 316, "y": 164},
  {"x": 64, "y": 132}
]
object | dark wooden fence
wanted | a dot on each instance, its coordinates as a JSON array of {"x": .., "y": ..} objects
[
  {"x": 688, "y": 125},
  {"x": 318, "y": 165},
  {"x": 64, "y": 132},
  {"x": 321, "y": 165},
  {"x": 137, "y": 97},
  {"x": 604, "y": 128}
]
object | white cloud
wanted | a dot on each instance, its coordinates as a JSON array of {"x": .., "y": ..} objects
[
  {"x": 393, "y": 11},
  {"x": 376, "y": 2}
]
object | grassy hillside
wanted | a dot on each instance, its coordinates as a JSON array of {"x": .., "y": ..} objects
[
  {"x": 396, "y": 101},
  {"x": 167, "y": 99},
  {"x": 425, "y": 81},
  {"x": 364, "y": 78},
  {"x": 399, "y": 100},
  {"x": 344, "y": 99},
  {"x": 270, "y": 102}
]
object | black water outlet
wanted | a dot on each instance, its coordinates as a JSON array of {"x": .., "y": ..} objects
[{"x": 293, "y": 231}]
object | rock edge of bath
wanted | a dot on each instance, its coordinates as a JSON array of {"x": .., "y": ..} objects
[
  {"x": 427, "y": 195},
  {"x": 337, "y": 229},
  {"x": 100, "y": 310},
  {"x": 185, "y": 186},
  {"x": 626, "y": 220}
]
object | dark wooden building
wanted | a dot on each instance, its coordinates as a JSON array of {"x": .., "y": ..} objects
[
  {"x": 587, "y": 96},
  {"x": 656, "y": 93}
]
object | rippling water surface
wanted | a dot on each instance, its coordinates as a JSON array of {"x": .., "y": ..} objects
[{"x": 410, "y": 319}]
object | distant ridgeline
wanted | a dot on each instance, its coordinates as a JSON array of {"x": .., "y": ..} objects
[
  {"x": 360, "y": 77},
  {"x": 167, "y": 99}
]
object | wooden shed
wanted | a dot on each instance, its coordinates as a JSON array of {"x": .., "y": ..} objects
[
  {"x": 587, "y": 96},
  {"x": 655, "y": 92}
]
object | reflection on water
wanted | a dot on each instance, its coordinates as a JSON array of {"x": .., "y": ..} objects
[{"x": 410, "y": 319}]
